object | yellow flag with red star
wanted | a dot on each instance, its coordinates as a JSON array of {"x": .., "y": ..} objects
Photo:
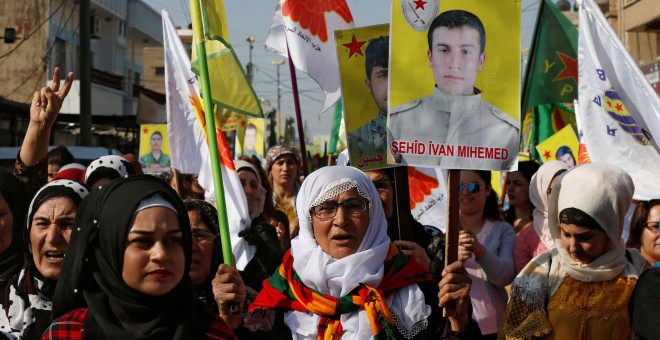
[{"x": 562, "y": 146}]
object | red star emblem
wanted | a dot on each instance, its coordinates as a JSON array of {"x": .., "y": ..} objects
[
  {"x": 419, "y": 4},
  {"x": 619, "y": 107},
  {"x": 609, "y": 103},
  {"x": 546, "y": 155},
  {"x": 355, "y": 47},
  {"x": 570, "y": 69},
  {"x": 145, "y": 130}
]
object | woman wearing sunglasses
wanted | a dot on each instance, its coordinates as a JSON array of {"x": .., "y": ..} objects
[{"x": 486, "y": 248}]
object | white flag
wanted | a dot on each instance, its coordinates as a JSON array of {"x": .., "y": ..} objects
[
  {"x": 187, "y": 135},
  {"x": 619, "y": 111},
  {"x": 307, "y": 28}
]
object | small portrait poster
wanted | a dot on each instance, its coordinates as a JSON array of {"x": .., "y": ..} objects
[
  {"x": 154, "y": 149},
  {"x": 454, "y": 84},
  {"x": 251, "y": 139},
  {"x": 562, "y": 146},
  {"x": 363, "y": 55}
]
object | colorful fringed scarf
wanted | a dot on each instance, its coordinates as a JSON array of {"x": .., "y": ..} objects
[{"x": 284, "y": 290}]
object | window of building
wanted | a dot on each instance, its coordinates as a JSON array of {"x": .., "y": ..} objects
[{"x": 160, "y": 70}]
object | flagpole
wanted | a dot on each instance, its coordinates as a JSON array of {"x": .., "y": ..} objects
[
  {"x": 198, "y": 34},
  {"x": 296, "y": 102}
]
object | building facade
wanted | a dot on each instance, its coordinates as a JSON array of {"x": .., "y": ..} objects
[{"x": 49, "y": 37}]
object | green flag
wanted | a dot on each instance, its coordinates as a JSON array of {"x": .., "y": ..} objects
[
  {"x": 544, "y": 121},
  {"x": 552, "y": 67}
]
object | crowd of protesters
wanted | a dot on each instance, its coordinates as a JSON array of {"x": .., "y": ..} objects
[{"x": 105, "y": 252}]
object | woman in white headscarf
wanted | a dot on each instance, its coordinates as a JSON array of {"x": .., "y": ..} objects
[
  {"x": 343, "y": 277},
  {"x": 580, "y": 289},
  {"x": 534, "y": 241}
]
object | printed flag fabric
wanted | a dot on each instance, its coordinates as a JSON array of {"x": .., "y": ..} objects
[
  {"x": 307, "y": 28},
  {"x": 230, "y": 88},
  {"x": 619, "y": 110},
  {"x": 188, "y": 141},
  {"x": 542, "y": 122},
  {"x": 551, "y": 75},
  {"x": 562, "y": 146},
  {"x": 428, "y": 196}
]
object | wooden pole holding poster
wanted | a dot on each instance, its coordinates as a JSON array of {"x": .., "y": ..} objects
[
  {"x": 402, "y": 194},
  {"x": 451, "y": 233}
]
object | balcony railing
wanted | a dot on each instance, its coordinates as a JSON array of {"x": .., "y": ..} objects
[
  {"x": 106, "y": 79},
  {"x": 115, "y": 7},
  {"x": 145, "y": 19}
]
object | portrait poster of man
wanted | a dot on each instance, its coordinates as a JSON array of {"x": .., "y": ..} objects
[
  {"x": 154, "y": 148},
  {"x": 454, "y": 84},
  {"x": 251, "y": 139},
  {"x": 562, "y": 146},
  {"x": 363, "y": 55}
]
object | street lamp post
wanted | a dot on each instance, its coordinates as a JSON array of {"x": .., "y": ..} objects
[
  {"x": 279, "y": 98},
  {"x": 250, "y": 67}
]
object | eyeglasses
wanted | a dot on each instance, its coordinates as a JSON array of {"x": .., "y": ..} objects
[
  {"x": 203, "y": 237},
  {"x": 328, "y": 210},
  {"x": 383, "y": 185},
  {"x": 473, "y": 187},
  {"x": 652, "y": 226}
]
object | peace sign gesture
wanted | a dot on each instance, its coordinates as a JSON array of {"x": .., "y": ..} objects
[{"x": 47, "y": 102}]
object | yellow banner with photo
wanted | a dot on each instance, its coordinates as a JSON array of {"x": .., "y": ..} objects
[
  {"x": 562, "y": 146},
  {"x": 154, "y": 148},
  {"x": 499, "y": 80},
  {"x": 251, "y": 138},
  {"x": 363, "y": 55}
]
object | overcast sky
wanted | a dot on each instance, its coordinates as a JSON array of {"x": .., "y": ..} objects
[{"x": 253, "y": 17}]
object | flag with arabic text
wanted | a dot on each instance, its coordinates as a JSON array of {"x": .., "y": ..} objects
[{"x": 306, "y": 28}]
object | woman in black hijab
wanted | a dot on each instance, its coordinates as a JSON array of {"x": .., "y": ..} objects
[
  {"x": 127, "y": 269},
  {"x": 13, "y": 207}
]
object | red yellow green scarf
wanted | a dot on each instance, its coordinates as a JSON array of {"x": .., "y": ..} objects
[{"x": 284, "y": 290}]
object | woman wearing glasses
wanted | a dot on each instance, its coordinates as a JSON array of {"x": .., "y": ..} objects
[
  {"x": 486, "y": 248},
  {"x": 645, "y": 300},
  {"x": 344, "y": 278},
  {"x": 206, "y": 249},
  {"x": 581, "y": 288},
  {"x": 644, "y": 230}
]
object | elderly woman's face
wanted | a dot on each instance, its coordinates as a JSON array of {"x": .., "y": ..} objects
[
  {"x": 154, "y": 260},
  {"x": 583, "y": 245},
  {"x": 341, "y": 235},
  {"x": 50, "y": 233}
]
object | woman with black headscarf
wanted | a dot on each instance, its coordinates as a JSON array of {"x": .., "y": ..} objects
[
  {"x": 26, "y": 307},
  {"x": 127, "y": 269},
  {"x": 13, "y": 206}
]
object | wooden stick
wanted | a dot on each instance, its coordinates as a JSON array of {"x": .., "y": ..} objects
[
  {"x": 402, "y": 194},
  {"x": 451, "y": 231}
]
